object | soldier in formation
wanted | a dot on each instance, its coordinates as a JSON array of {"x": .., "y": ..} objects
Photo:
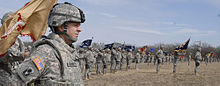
[
  {"x": 148, "y": 58},
  {"x": 104, "y": 62},
  {"x": 118, "y": 59},
  {"x": 99, "y": 60},
  {"x": 206, "y": 59},
  {"x": 113, "y": 59},
  {"x": 198, "y": 58},
  {"x": 137, "y": 59},
  {"x": 175, "y": 61},
  {"x": 159, "y": 56},
  {"x": 129, "y": 59},
  {"x": 82, "y": 59},
  {"x": 89, "y": 60},
  {"x": 123, "y": 58},
  {"x": 108, "y": 59},
  {"x": 167, "y": 58}
]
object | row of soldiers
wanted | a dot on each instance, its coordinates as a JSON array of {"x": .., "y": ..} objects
[
  {"x": 103, "y": 59},
  {"x": 113, "y": 59}
]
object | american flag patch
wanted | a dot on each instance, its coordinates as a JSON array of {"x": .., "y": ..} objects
[{"x": 37, "y": 61}]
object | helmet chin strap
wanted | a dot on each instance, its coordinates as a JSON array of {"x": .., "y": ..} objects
[{"x": 72, "y": 40}]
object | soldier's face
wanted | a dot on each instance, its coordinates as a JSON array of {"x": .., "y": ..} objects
[{"x": 73, "y": 30}]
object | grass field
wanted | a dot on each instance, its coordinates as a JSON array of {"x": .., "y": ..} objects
[{"x": 208, "y": 75}]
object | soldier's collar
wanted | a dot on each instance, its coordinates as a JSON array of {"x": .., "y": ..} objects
[{"x": 60, "y": 40}]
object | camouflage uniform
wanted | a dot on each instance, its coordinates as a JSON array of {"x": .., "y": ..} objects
[
  {"x": 118, "y": 59},
  {"x": 99, "y": 62},
  {"x": 122, "y": 59},
  {"x": 82, "y": 59},
  {"x": 206, "y": 59},
  {"x": 52, "y": 62},
  {"x": 29, "y": 48},
  {"x": 89, "y": 59},
  {"x": 104, "y": 62},
  {"x": 148, "y": 58},
  {"x": 95, "y": 53},
  {"x": 137, "y": 59},
  {"x": 162, "y": 59},
  {"x": 113, "y": 60},
  {"x": 171, "y": 57},
  {"x": 175, "y": 61},
  {"x": 108, "y": 59},
  {"x": 167, "y": 58},
  {"x": 15, "y": 53},
  {"x": 11, "y": 60},
  {"x": 159, "y": 56},
  {"x": 129, "y": 59},
  {"x": 142, "y": 57},
  {"x": 198, "y": 58}
]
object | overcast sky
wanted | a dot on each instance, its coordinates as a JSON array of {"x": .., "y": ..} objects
[{"x": 144, "y": 22}]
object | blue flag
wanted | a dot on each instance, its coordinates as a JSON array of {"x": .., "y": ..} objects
[
  {"x": 166, "y": 53},
  {"x": 129, "y": 47},
  {"x": 108, "y": 46},
  {"x": 86, "y": 43},
  {"x": 152, "y": 50}
]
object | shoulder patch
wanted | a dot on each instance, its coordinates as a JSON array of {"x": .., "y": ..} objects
[{"x": 38, "y": 63}]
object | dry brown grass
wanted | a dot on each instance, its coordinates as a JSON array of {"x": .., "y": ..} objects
[{"x": 146, "y": 76}]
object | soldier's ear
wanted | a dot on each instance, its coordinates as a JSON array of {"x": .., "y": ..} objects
[{"x": 60, "y": 28}]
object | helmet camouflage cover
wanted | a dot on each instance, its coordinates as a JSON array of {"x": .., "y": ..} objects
[
  {"x": 199, "y": 49},
  {"x": 64, "y": 12},
  {"x": 5, "y": 16}
]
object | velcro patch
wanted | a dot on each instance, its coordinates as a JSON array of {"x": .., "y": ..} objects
[{"x": 38, "y": 62}]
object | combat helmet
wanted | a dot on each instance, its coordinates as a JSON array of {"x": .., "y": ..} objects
[
  {"x": 108, "y": 50},
  {"x": 119, "y": 49},
  {"x": 64, "y": 12},
  {"x": 5, "y": 16},
  {"x": 161, "y": 46},
  {"x": 81, "y": 50},
  {"x": 199, "y": 49}
]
